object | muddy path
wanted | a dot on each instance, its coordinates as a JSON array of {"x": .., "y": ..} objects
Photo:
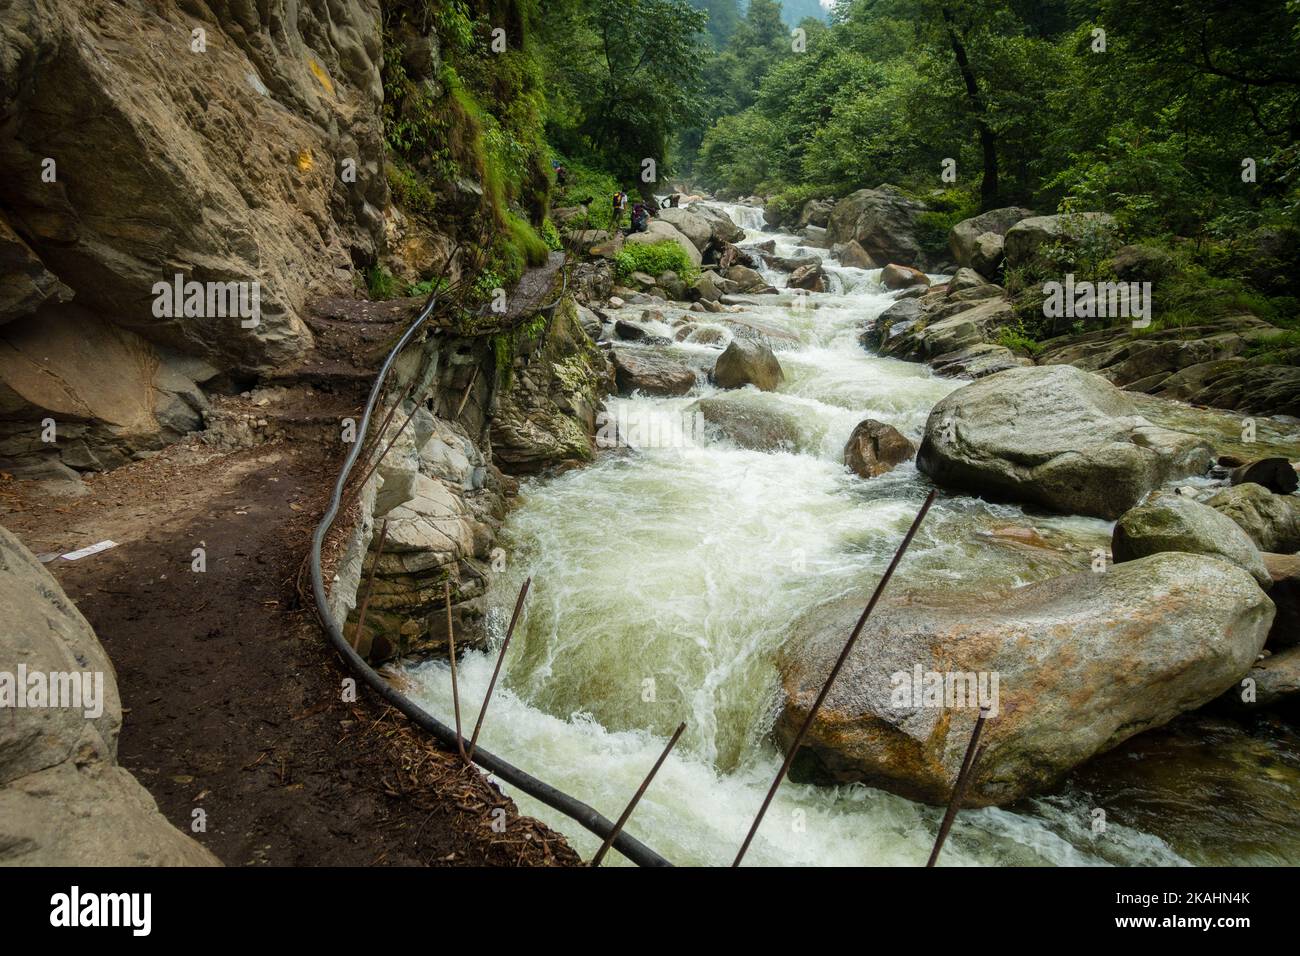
[{"x": 233, "y": 704}]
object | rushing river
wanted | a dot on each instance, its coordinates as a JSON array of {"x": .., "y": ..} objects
[{"x": 666, "y": 578}]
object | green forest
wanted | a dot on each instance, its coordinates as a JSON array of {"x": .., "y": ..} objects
[{"x": 1180, "y": 119}]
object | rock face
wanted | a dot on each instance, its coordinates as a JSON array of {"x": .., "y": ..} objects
[
  {"x": 1177, "y": 523},
  {"x": 748, "y": 363},
  {"x": 64, "y": 801},
  {"x": 548, "y": 412},
  {"x": 111, "y": 393},
  {"x": 1056, "y": 437},
  {"x": 650, "y": 374},
  {"x": 875, "y": 448},
  {"x": 1023, "y": 240},
  {"x": 222, "y": 166},
  {"x": 977, "y": 242},
  {"x": 882, "y": 221},
  {"x": 1083, "y": 662},
  {"x": 1272, "y": 521}
]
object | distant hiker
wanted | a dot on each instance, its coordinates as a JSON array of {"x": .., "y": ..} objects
[
  {"x": 640, "y": 217},
  {"x": 561, "y": 176},
  {"x": 620, "y": 203}
]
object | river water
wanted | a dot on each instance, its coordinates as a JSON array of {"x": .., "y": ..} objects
[{"x": 666, "y": 578}]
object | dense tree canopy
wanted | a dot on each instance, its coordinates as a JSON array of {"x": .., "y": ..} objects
[{"x": 1146, "y": 110}]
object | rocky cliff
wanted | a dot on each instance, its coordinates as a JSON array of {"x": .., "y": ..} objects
[{"x": 222, "y": 141}]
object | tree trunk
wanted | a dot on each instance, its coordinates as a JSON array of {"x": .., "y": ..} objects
[{"x": 989, "y": 186}]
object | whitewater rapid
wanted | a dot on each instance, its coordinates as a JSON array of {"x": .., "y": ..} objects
[{"x": 666, "y": 579}]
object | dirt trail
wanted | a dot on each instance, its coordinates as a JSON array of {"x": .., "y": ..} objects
[{"x": 233, "y": 702}]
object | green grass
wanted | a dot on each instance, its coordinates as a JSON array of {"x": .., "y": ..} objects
[{"x": 1016, "y": 340}]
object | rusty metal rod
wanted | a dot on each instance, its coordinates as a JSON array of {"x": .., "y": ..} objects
[
  {"x": 455, "y": 689},
  {"x": 514, "y": 618},
  {"x": 835, "y": 672},
  {"x": 370, "y": 583},
  {"x": 960, "y": 785},
  {"x": 636, "y": 797}
]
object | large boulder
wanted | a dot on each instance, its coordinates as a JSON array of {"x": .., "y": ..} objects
[
  {"x": 1057, "y": 437},
  {"x": 1177, "y": 523},
  {"x": 745, "y": 362},
  {"x": 723, "y": 228},
  {"x": 650, "y": 374},
  {"x": 875, "y": 448},
  {"x": 1082, "y": 662},
  {"x": 882, "y": 221},
  {"x": 1025, "y": 238},
  {"x": 1272, "y": 521},
  {"x": 977, "y": 242},
  {"x": 690, "y": 224},
  {"x": 64, "y": 801}
]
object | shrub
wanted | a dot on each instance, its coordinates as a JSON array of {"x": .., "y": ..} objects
[
  {"x": 655, "y": 259},
  {"x": 380, "y": 283}
]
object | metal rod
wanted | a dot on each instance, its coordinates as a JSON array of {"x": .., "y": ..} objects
[
  {"x": 370, "y": 583},
  {"x": 636, "y": 798},
  {"x": 835, "y": 672},
  {"x": 960, "y": 785},
  {"x": 514, "y": 618},
  {"x": 465, "y": 397},
  {"x": 455, "y": 689}
]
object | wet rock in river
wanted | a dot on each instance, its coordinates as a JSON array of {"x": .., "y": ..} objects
[
  {"x": 1177, "y": 523},
  {"x": 650, "y": 374},
  {"x": 748, "y": 363},
  {"x": 1056, "y": 437},
  {"x": 1073, "y": 666},
  {"x": 758, "y": 426},
  {"x": 875, "y": 448},
  {"x": 1276, "y": 474}
]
